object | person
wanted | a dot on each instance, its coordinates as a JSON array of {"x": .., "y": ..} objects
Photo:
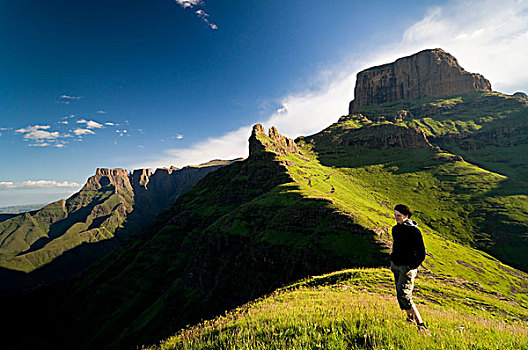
[{"x": 408, "y": 252}]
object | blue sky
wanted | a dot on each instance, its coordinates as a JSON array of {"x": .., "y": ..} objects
[{"x": 135, "y": 84}]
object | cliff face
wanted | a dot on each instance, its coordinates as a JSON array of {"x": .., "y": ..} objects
[
  {"x": 433, "y": 73},
  {"x": 58, "y": 240}
]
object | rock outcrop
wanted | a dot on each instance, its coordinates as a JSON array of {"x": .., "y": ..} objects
[
  {"x": 108, "y": 177},
  {"x": 431, "y": 73},
  {"x": 273, "y": 142}
]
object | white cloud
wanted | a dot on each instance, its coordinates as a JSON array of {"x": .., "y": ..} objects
[
  {"x": 38, "y": 133},
  {"x": 66, "y": 99},
  {"x": 37, "y": 184},
  {"x": 80, "y": 132},
  {"x": 109, "y": 124},
  {"x": 46, "y": 144},
  {"x": 205, "y": 17},
  {"x": 200, "y": 13},
  {"x": 90, "y": 124},
  {"x": 189, "y": 3},
  {"x": 487, "y": 37},
  {"x": 101, "y": 112},
  {"x": 229, "y": 146},
  {"x": 69, "y": 97}
]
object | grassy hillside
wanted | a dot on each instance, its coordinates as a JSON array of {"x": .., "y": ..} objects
[
  {"x": 65, "y": 237},
  {"x": 357, "y": 309},
  {"x": 470, "y": 185},
  {"x": 321, "y": 205},
  {"x": 88, "y": 216}
]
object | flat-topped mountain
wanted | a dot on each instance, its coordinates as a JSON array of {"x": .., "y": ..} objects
[
  {"x": 301, "y": 208},
  {"x": 428, "y": 73}
]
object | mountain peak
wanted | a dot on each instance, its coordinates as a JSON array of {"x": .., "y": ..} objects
[
  {"x": 273, "y": 142},
  {"x": 432, "y": 73}
]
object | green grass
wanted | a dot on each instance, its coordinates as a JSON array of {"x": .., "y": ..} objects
[
  {"x": 473, "y": 190},
  {"x": 356, "y": 309},
  {"x": 265, "y": 222}
]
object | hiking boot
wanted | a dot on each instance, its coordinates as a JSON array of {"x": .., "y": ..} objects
[
  {"x": 410, "y": 318},
  {"x": 423, "y": 329}
]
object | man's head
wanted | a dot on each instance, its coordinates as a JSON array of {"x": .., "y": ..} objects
[{"x": 402, "y": 213}]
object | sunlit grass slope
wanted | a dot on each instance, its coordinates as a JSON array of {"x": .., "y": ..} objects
[
  {"x": 470, "y": 185},
  {"x": 356, "y": 309},
  {"x": 31, "y": 240},
  {"x": 282, "y": 215},
  {"x": 470, "y": 299}
]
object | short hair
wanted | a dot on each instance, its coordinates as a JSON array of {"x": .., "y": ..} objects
[{"x": 402, "y": 208}]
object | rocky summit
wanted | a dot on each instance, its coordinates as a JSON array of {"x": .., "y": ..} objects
[{"x": 428, "y": 73}]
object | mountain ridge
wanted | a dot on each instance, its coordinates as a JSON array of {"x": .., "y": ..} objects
[
  {"x": 111, "y": 206},
  {"x": 320, "y": 204}
]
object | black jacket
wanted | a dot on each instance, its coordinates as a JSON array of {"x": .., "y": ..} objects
[{"x": 408, "y": 247}]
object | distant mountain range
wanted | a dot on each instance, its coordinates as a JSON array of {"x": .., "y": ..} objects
[
  {"x": 17, "y": 209},
  {"x": 457, "y": 155},
  {"x": 65, "y": 237}
]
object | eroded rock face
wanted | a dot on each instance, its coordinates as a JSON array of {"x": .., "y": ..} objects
[
  {"x": 109, "y": 177},
  {"x": 431, "y": 73},
  {"x": 273, "y": 142}
]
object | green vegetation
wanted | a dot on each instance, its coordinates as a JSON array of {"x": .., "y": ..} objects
[
  {"x": 356, "y": 309},
  {"x": 32, "y": 240},
  {"x": 359, "y": 171},
  {"x": 282, "y": 215}
]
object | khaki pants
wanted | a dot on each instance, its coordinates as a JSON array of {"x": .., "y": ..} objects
[{"x": 404, "y": 280}]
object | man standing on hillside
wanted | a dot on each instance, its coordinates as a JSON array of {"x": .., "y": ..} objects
[{"x": 408, "y": 252}]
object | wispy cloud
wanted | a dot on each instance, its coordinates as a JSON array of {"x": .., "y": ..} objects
[
  {"x": 200, "y": 13},
  {"x": 90, "y": 124},
  {"x": 110, "y": 124},
  {"x": 101, "y": 112},
  {"x": 36, "y": 184},
  {"x": 46, "y": 144},
  {"x": 487, "y": 37},
  {"x": 4, "y": 129},
  {"x": 80, "y": 132},
  {"x": 205, "y": 17},
  {"x": 66, "y": 99}
]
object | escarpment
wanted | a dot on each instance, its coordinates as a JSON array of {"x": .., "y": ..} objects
[
  {"x": 65, "y": 237},
  {"x": 428, "y": 73}
]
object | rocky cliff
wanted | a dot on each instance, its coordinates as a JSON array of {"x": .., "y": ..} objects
[
  {"x": 432, "y": 73},
  {"x": 66, "y": 236}
]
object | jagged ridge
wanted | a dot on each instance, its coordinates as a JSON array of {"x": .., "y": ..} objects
[{"x": 112, "y": 205}]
